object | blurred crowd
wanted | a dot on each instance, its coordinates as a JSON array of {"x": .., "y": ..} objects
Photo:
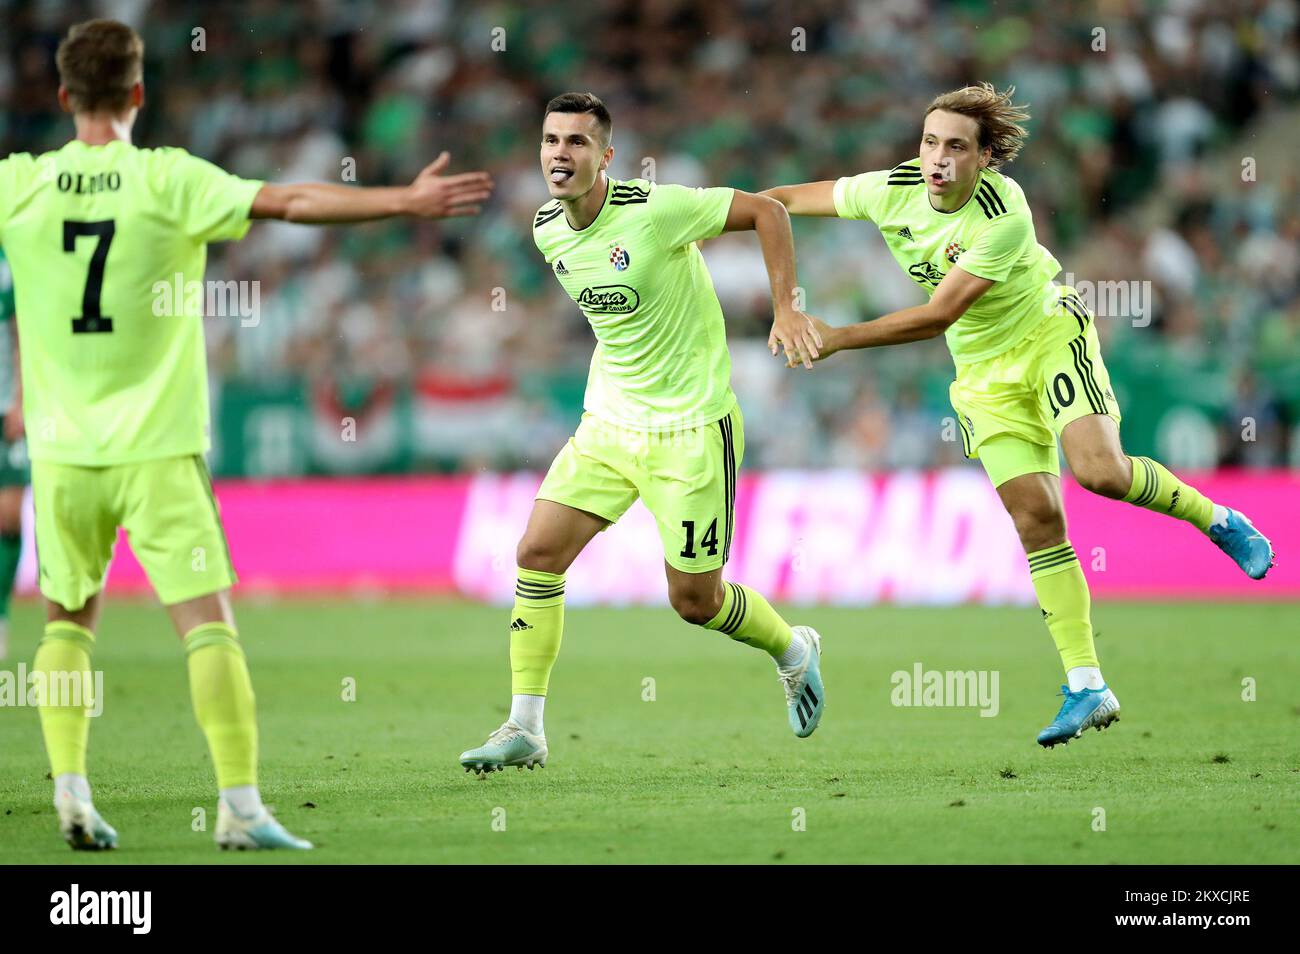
[{"x": 1136, "y": 170}]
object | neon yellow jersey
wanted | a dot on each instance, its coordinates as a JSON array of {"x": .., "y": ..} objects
[
  {"x": 6, "y": 342},
  {"x": 661, "y": 360},
  {"x": 991, "y": 236},
  {"x": 114, "y": 368}
]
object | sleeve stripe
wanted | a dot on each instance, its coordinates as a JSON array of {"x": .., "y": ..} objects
[
  {"x": 543, "y": 218},
  {"x": 993, "y": 198}
]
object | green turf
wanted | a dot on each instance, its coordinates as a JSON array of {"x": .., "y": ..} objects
[{"x": 708, "y": 771}]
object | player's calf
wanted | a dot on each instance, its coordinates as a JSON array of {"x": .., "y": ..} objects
[
  {"x": 1105, "y": 474},
  {"x": 748, "y": 618}
]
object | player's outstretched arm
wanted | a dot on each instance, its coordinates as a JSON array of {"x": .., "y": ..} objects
[
  {"x": 957, "y": 292},
  {"x": 808, "y": 198},
  {"x": 791, "y": 328},
  {"x": 431, "y": 196}
]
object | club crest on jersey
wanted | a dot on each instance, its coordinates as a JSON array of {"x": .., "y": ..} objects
[
  {"x": 619, "y": 258},
  {"x": 953, "y": 252}
]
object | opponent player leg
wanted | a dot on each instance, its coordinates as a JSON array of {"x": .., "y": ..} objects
[
  {"x": 170, "y": 512},
  {"x": 1031, "y": 492},
  {"x": 689, "y": 484},
  {"x": 11, "y": 548}
]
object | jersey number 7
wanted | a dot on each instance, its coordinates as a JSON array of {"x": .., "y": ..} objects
[{"x": 91, "y": 320}]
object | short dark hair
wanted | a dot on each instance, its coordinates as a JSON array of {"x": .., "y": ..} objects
[
  {"x": 99, "y": 62},
  {"x": 583, "y": 103}
]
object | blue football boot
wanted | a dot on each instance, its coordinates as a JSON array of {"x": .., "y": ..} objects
[
  {"x": 1237, "y": 537},
  {"x": 1085, "y": 709}
]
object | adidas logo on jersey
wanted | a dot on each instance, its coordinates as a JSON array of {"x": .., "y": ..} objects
[
  {"x": 559, "y": 267},
  {"x": 906, "y": 233},
  {"x": 518, "y": 626}
]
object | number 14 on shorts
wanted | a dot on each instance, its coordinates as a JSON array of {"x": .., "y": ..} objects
[{"x": 708, "y": 542}]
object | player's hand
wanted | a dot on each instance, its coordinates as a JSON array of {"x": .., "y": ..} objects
[
  {"x": 825, "y": 341},
  {"x": 13, "y": 428},
  {"x": 435, "y": 196},
  {"x": 794, "y": 331}
]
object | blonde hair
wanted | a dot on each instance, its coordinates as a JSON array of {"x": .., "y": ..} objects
[{"x": 999, "y": 119}]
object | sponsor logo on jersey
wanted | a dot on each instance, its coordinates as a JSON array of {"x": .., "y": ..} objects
[
  {"x": 609, "y": 300},
  {"x": 619, "y": 258},
  {"x": 953, "y": 252},
  {"x": 925, "y": 273},
  {"x": 559, "y": 267},
  {"x": 906, "y": 233}
]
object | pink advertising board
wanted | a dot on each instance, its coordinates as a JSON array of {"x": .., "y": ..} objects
[{"x": 835, "y": 537}]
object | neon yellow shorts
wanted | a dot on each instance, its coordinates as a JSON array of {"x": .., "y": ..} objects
[
  {"x": 687, "y": 479},
  {"x": 167, "y": 508},
  {"x": 1012, "y": 407}
]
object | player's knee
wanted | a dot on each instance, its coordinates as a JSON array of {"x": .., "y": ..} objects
[
  {"x": 1040, "y": 525},
  {"x": 1104, "y": 474},
  {"x": 539, "y": 554},
  {"x": 695, "y": 606}
]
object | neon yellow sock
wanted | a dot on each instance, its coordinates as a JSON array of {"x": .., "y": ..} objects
[
  {"x": 1067, "y": 607},
  {"x": 63, "y": 657},
  {"x": 536, "y": 628},
  {"x": 1155, "y": 488},
  {"x": 748, "y": 618},
  {"x": 224, "y": 706}
]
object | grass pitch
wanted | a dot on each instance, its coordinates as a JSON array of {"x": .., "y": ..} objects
[{"x": 708, "y": 771}]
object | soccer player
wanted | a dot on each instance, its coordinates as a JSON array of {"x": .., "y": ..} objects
[
  {"x": 1028, "y": 363},
  {"x": 13, "y": 453},
  {"x": 115, "y": 399},
  {"x": 660, "y": 421}
]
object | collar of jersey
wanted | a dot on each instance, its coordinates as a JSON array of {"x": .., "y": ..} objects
[
  {"x": 78, "y": 144},
  {"x": 978, "y": 182},
  {"x": 609, "y": 187}
]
